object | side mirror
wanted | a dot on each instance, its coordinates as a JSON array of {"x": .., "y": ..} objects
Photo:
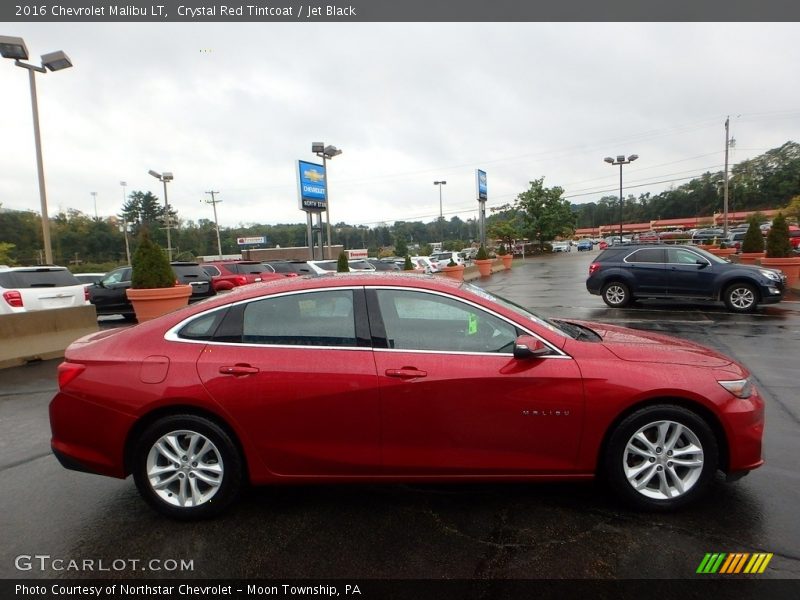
[
  {"x": 701, "y": 263},
  {"x": 527, "y": 347}
]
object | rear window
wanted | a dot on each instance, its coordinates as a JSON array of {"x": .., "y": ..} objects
[
  {"x": 36, "y": 278},
  {"x": 193, "y": 271},
  {"x": 245, "y": 268}
]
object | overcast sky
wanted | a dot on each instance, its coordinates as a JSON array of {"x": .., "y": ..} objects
[{"x": 231, "y": 107}]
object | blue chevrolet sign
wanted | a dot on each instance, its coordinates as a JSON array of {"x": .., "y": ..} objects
[
  {"x": 311, "y": 186},
  {"x": 480, "y": 177}
]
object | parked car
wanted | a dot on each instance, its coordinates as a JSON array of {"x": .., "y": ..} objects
[
  {"x": 703, "y": 235},
  {"x": 228, "y": 274},
  {"x": 622, "y": 274},
  {"x": 442, "y": 259},
  {"x": 385, "y": 264},
  {"x": 321, "y": 267},
  {"x": 88, "y": 279},
  {"x": 109, "y": 294},
  {"x": 735, "y": 239},
  {"x": 426, "y": 263},
  {"x": 290, "y": 268},
  {"x": 394, "y": 379},
  {"x": 584, "y": 245},
  {"x": 26, "y": 289},
  {"x": 561, "y": 246}
]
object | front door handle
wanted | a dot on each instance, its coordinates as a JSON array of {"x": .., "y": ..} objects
[
  {"x": 238, "y": 370},
  {"x": 406, "y": 373}
]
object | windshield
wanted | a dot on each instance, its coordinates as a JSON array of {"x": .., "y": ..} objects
[{"x": 520, "y": 310}]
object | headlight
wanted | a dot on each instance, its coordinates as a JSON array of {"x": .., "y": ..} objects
[
  {"x": 770, "y": 275},
  {"x": 741, "y": 388}
]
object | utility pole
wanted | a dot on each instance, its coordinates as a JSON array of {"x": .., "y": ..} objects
[
  {"x": 213, "y": 202},
  {"x": 725, "y": 182}
]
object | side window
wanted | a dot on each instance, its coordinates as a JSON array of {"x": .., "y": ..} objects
[
  {"x": 423, "y": 321},
  {"x": 309, "y": 319},
  {"x": 683, "y": 257},
  {"x": 203, "y": 327},
  {"x": 211, "y": 270},
  {"x": 647, "y": 255}
]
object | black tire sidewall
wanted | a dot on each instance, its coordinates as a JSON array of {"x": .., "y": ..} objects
[
  {"x": 613, "y": 468},
  {"x": 231, "y": 460}
]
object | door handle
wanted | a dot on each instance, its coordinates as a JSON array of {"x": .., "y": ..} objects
[
  {"x": 238, "y": 370},
  {"x": 406, "y": 373}
]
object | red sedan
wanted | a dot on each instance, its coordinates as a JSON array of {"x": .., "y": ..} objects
[{"x": 396, "y": 377}]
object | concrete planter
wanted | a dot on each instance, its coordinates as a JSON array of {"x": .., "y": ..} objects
[
  {"x": 484, "y": 267},
  {"x": 750, "y": 258},
  {"x": 151, "y": 303},
  {"x": 456, "y": 272}
]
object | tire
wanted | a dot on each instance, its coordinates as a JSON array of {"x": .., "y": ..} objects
[
  {"x": 741, "y": 298},
  {"x": 616, "y": 294},
  {"x": 640, "y": 461},
  {"x": 172, "y": 482}
]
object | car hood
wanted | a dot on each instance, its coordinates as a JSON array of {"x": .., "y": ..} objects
[{"x": 643, "y": 346}]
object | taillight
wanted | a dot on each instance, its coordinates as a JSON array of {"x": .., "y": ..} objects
[
  {"x": 241, "y": 280},
  {"x": 13, "y": 298},
  {"x": 594, "y": 268},
  {"x": 86, "y": 295},
  {"x": 68, "y": 371}
]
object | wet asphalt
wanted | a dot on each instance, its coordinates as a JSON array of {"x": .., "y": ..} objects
[{"x": 498, "y": 531}]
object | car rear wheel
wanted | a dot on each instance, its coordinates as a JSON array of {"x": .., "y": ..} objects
[
  {"x": 616, "y": 294},
  {"x": 187, "y": 467},
  {"x": 661, "y": 457},
  {"x": 741, "y": 298}
]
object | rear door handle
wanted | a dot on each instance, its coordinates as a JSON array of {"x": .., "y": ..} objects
[
  {"x": 406, "y": 373},
  {"x": 238, "y": 370}
]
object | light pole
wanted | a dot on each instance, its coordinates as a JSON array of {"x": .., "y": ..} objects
[
  {"x": 94, "y": 197},
  {"x": 165, "y": 177},
  {"x": 326, "y": 152},
  {"x": 213, "y": 202},
  {"x": 124, "y": 227},
  {"x": 441, "y": 214},
  {"x": 14, "y": 47},
  {"x": 620, "y": 160}
]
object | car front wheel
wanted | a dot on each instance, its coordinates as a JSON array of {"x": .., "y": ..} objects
[
  {"x": 616, "y": 294},
  {"x": 741, "y": 298},
  {"x": 187, "y": 467},
  {"x": 661, "y": 457}
]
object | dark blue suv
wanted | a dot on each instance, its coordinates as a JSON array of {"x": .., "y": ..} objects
[{"x": 622, "y": 274}]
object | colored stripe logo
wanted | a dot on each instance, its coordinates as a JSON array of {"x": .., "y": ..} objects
[{"x": 734, "y": 563}]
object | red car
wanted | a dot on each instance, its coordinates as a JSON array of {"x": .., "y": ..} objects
[
  {"x": 397, "y": 378},
  {"x": 228, "y": 274}
]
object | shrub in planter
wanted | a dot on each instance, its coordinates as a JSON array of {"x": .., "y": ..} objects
[
  {"x": 501, "y": 251},
  {"x": 150, "y": 265},
  {"x": 407, "y": 264},
  {"x": 753, "y": 240},
  {"x": 505, "y": 256},
  {"x": 778, "y": 244},
  {"x": 341, "y": 263},
  {"x": 483, "y": 262},
  {"x": 153, "y": 290}
]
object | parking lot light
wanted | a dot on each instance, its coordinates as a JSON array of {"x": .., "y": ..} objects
[
  {"x": 14, "y": 48},
  {"x": 620, "y": 160}
]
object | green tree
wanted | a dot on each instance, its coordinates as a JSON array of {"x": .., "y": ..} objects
[
  {"x": 5, "y": 251},
  {"x": 400, "y": 245},
  {"x": 407, "y": 265},
  {"x": 544, "y": 213},
  {"x": 506, "y": 231},
  {"x": 778, "y": 244}
]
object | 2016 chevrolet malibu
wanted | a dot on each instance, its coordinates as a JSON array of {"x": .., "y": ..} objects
[{"x": 383, "y": 377}]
